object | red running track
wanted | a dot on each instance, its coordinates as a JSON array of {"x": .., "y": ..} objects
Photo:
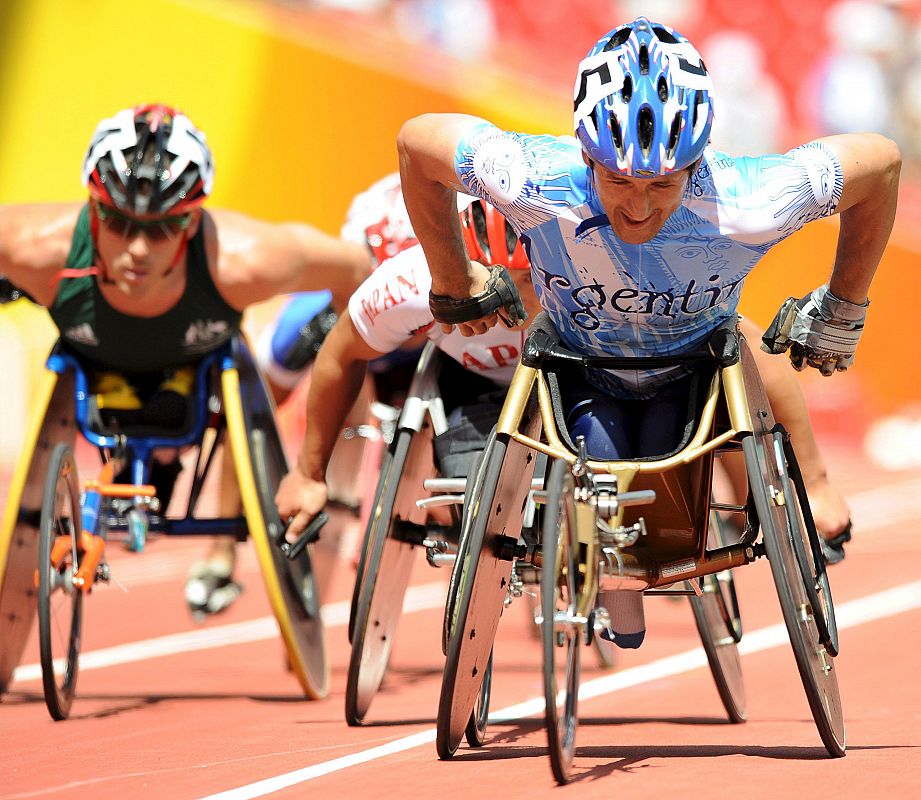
[{"x": 170, "y": 709}]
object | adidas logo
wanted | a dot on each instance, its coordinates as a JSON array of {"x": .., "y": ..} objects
[{"x": 82, "y": 334}]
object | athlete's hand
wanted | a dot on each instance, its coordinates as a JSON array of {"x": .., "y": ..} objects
[
  {"x": 485, "y": 285},
  {"x": 299, "y": 499},
  {"x": 820, "y": 330}
]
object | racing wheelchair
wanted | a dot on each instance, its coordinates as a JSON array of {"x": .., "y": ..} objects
[
  {"x": 55, "y": 531},
  {"x": 592, "y": 536}
]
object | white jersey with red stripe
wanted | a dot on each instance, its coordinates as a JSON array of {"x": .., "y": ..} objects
[{"x": 392, "y": 307}]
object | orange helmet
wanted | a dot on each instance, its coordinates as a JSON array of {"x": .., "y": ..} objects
[{"x": 490, "y": 238}]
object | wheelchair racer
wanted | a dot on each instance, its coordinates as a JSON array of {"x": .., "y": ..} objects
[
  {"x": 142, "y": 281},
  {"x": 389, "y": 311},
  {"x": 640, "y": 236}
]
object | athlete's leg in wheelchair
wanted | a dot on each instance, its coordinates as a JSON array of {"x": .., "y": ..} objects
[{"x": 615, "y": 429}]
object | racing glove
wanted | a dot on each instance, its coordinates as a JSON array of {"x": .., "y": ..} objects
[
  {"x": 820, "y": 330},
  {"x": 500, "y": 296}
]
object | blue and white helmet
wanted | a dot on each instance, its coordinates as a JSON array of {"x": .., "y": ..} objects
[{"x": 643, "y": 101}]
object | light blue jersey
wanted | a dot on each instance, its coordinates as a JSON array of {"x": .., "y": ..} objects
[{"x": 662, "y": 297}]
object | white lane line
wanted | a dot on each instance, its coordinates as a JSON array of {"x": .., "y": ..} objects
[
  {"x": 418, "y": 598},
  {"x": 851, "y": 614}
]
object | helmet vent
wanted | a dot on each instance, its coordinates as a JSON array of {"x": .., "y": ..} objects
[
  {"x": 664, "y": 36},
  {"x": 645, "y": 129},
  {"x": 617, "y": 39},
  {"x": 644, "y": 60},
  {"x": 616, "y": 135},
  {"x": 662, "y": 89},
  {"x": 673, "y": 136},
  {"x": 627, "y": 91},
  {"x": 697, "y": 101}
]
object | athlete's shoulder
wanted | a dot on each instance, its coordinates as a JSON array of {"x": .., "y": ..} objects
[
  {"x": 528, "y": 177},
  {"x": 35, "y": 240},
  {"x": 765, "y": 198}
]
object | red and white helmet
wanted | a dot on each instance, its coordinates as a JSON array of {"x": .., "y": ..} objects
[
  {"x": 149, "y": 159},
  {"x": 489, "y": 237},
  {"x": 378, "y": 219}
]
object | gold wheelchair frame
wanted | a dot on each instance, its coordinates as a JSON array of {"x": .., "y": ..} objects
[
  {"x": 593, "y": 537},
  {"x": 44, "y": 508}
]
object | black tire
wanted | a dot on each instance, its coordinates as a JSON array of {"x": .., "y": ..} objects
[
  {"x": 475, "y": 732},
  {"x": 720, "y": 628},
  {"x": 781, "y": 525},
  {"x": 385, "y": 574},
  {"x": 492, "y": 517},
  {"x": 809, "y": 554},
  {"x": 562, "y": 637},
  {"x": 60, "y": 602},
  {"x": 386, "y": 467}
]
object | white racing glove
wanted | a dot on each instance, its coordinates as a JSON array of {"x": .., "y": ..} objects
[{"x": 820, "y": 330}]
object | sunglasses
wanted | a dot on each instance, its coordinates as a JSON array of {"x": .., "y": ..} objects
[{"x": 156, "y": 230}]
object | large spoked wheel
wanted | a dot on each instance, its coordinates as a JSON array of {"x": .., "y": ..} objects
[
  {"x": 260, "y": 464},
  {"x": 784, "y": 530},
  {"x": 479, "y": 583},
  {"x": 716, "y": 613},
  {"x": 562, "y": 630},
  {"x": 60, "y": 602},
  {"x": 386, "y": 570}
]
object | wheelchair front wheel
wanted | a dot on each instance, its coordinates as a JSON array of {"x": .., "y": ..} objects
[
  {"x": 782, "y": 522},
  {"x": 60, "y": 602},
  {"x": 562, "y": 631}
]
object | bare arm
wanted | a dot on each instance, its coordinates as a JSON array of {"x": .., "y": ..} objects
[
  {"x": 426, "y": 146},
  {"x": 871, "y": 165},
  {"x": 336, "y": 381},
  {"x": 258, "y": 260},
  {"x": 34, "y": 243}
]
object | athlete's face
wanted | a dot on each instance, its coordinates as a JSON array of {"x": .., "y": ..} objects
[
  {"x": 137, "y": 252},
  {"x": 637, "y": 208}
]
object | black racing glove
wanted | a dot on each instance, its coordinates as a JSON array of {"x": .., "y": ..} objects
[
  {"x": 500, "y": 296},
  {"x": 820, "y": 330}
]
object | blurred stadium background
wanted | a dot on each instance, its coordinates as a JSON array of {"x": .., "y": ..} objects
[{"x": 301, "y": 101}]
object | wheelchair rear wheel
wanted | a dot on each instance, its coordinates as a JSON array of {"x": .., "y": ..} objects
[
  {"x": 490, "y": 527},
  {"x": 783, "y": 524},
  {"x": 260, "y": 465},
  {"x": 475, "y": 732},
  {"x": 386, "y": 571},
  {"x": 716, "y": 614},
  {"x": 562, "y": 632},
  {"x": 60, "y": 602}
]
